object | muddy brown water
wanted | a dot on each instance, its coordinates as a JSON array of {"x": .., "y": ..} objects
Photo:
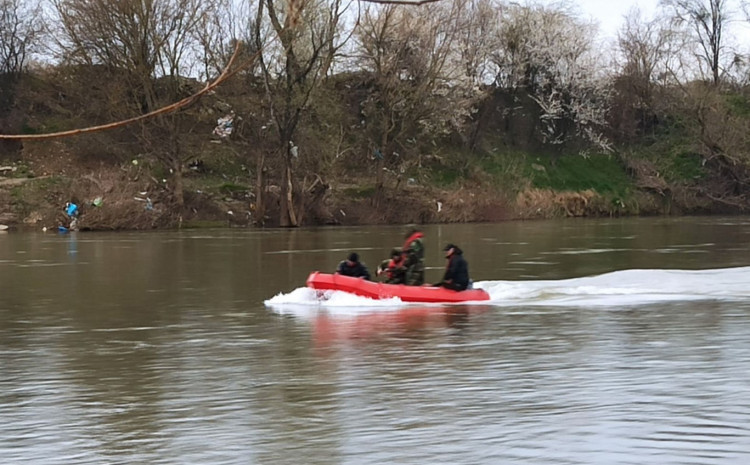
[{"x": 605, "y": 342}]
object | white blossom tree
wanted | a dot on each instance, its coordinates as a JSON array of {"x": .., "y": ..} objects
[{"x": 550, "y": 54}]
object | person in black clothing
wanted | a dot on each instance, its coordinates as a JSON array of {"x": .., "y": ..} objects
[
  {"x": 456, "y": 270},
  {"x": 353, "y": 267}
]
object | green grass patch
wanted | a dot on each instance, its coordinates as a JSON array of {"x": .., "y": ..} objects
[
  {"x": 444, "y": 176},
  {"x": 497, "y": 166},
  {"x": 503, "y": 166},
  {"x": 39, "y": 187},
  {"x": 26, "y": 129},
  {"x": 674, "y": 158},
  {"x": 37, "y": 192},
  {"x": 602, "y": 173},
  {"x": 359, "y": 192},
  {"x": 738, "y": 104},
  {"x": 229, "y": 188},
  {"x": 684, "y": 165},
  {"x": 54, "y": 123}
]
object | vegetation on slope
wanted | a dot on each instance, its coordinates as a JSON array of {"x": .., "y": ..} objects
[{"x": 472, "y": 110}]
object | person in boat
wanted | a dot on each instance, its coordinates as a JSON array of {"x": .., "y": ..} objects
[
  {"x": 413, "y": 253},
  {"x": 456, "y": 275},
  {"x": 393, "y": 268},
  {"x": 353, "y": 267}
]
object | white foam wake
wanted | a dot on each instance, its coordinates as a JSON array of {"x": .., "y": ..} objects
[
  {"x": 618, "y": 288},
  {"x": 627, "y": 287},
  {"x": 304, "y": 298}
]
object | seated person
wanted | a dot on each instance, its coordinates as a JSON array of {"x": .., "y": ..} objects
[
  {"x": 393, "y": 268},
  {"x": 456, "y": 270},
  {"x": 353, "y": 267}
]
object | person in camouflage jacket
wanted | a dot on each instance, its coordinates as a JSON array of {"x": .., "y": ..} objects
[{"x": 413, "y": 253}]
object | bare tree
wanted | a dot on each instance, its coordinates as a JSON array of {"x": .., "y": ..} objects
[
  {"x": 149, "y": 44},
  {"x": 229, "y": 24},
  {"x": 307, "y": 37},
  {"x": 476, "y": 39},
  {"x": 646, "y": 49},
  {"x": 645, "y": 46},
  {"x": 19, "y": 31},
  {"x": 418, "y": 85},
  {"x": 708, "y": 20}
]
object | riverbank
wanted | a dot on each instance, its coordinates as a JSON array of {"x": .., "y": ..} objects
[
  {"x": 129, "y": 199},
  {"x": 130, "y": 195}
]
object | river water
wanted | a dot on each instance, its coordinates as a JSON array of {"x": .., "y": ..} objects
[{"x": 620, "y": 341}]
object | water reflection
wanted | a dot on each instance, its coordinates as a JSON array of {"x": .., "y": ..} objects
[{"x": 409, "y": 321}]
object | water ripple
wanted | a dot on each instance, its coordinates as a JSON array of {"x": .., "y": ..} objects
[{"x": 664, "y": 384}]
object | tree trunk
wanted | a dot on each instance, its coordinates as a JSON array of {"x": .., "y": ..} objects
[
  {"x": 260, "y": 190},
  {"x": 380, "y": 175},
  {"x": 287, "y": 217},
  {"x": 289, "y": 197},
  {"x": 178, "y": 190}
]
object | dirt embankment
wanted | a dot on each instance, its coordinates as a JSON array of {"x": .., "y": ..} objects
[{"x": 125, "y": 198}]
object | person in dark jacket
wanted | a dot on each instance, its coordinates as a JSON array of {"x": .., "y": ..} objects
[
  {"x": 353, "y": 267},
  {"x": 456, "y": 270}
]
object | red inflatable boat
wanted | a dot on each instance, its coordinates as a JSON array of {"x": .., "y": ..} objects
[{"x": 375, "y": 290}]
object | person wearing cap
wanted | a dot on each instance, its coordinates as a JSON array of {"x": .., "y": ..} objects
[
  {"x": 353, "y": 267},
  {"x": 413, "y": 253},
  {"x": 393, "y": 268},
  {"x": 456, "y": 270}
]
